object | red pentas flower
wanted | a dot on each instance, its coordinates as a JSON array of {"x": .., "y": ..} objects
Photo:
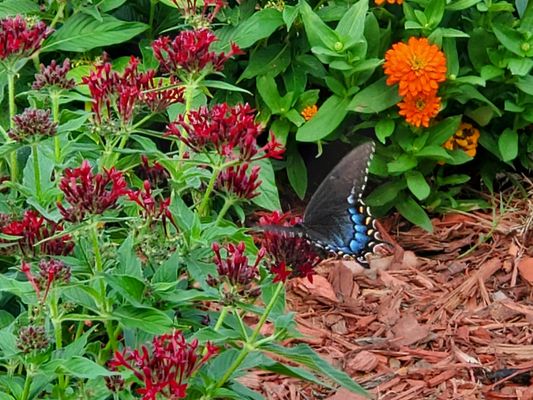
[
  {"x": 235, "y": 270},
  {"x": 54, "y": 75},
  {"x": 230, "y": 131},
  {"x": 234, "y": 181},
  {"x": 50, "y": 272},
  {"x": 32, "y": 124},
  {"x": 124, "y": 91},
  {"x": 285, "y": 251},
  {"x": 20, "y": 38},
  {"x": 153, "y": 209},
  {"x": 155, "y": 173},
  {"x": 34, "y": 228},
  {"x": 88, "y": 193},
  {"x": 188, "y": 53},
  {"x": 165, "y": 369}
]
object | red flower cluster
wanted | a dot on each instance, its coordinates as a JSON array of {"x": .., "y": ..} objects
[
  {"x": 32, "y": 229},
  {"x": 88, "y": 193},
  {"x": 54, "y": 75},
  {"x": 164, "y": 371},
  {"x": 234, "y": 181},
  {"x": 32, "y": 124},
  {"x": 153, "y": 209},
  {"x": 188, "y": 53},
  {"x": 32, "y": 339},
  {"x": 20, "y": 39},
  {"x": 235, "y": 269},
  {"x": 285, "y": 251},
  {"x": 125, "y": 90},
  {"x": 50, "y": 271},
  {"x": 156, "y": 173},
  {"x": 231, "y": 131}
]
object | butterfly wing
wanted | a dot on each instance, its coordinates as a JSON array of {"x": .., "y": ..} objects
[{"x": 336, "y": 217}]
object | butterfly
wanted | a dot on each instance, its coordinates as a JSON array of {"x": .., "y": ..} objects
[{"x": 336, "y": 219}]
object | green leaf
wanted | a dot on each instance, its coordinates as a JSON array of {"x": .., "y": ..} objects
[
  {"x": 268, "y": 90},
  {"x": 129, "y": 287},
  {"x": 417, "y": 184},
  {"x": 281, "y": 127},
  {"x": 304, "y": 355},
  {"x": 385, "y": 193},
  {"x": 445, "y": 129},
  {"x": 318, "y": 33},
  {"x": 82, "y": 32},
  {"x": 375, "y": 98},
  {"x": 352, "y": 24},
  {"x": 508, "y": 144},
  {"x": 270, "y": 60},
  {"x": 329, "y": 116},
  {"x": 434, "y": 12},
  {"x": 224, "y": 86},
  {"x": 259, "y": 26},
  {"x": 433, "y": 152},
  {"x": 403, "y": 163},
  {"x": 128, "y": 262},
  {"x": 384, "y": 128},
  {"x": 412, "y": 212},
  {"x": 289, "y": 15},
  {"x": 520, "y": 66},
  {"x": 511, "y": 39},
  {"x": 525, "y": 84},
  {"x": 461, "y": 5},
  {"x": 268, "y": 197},
  {"x": 79, "y": 367},
  {"x": 297, "y": 172},
  {"x": 145, "y": 319},
  {"x": 10, "y": 8}
]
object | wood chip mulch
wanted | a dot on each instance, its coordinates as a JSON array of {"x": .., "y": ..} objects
[{"x": 449, "y": 315}]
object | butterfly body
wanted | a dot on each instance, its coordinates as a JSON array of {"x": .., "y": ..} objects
[{"x": 336, "y": 218}]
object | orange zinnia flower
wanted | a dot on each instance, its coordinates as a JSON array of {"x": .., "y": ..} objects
[
  {"x": 381, "y": 2},
  {"x": 417, "y": 66},
  {"x": 419, "y": 109},
  {"x": 466, "y": 138},
  {"x": 309, "y": 111}
]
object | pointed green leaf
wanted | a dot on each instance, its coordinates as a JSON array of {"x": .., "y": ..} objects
[
  {"x": 329, "y": 116},
  {"x": 417, "y": 184},
  {"x": 412, "y": 212},
  {"x": 508, "y": 144}
]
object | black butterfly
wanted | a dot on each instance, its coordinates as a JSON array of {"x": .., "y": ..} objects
[{"x": 336, "y": 218}]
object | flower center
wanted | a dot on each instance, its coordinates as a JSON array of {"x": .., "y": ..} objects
[
  {"x": 420, "y": 104},
  {"x": 417, "y": 63}
]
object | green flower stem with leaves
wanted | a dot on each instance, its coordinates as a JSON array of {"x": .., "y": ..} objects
[
  {"x": 250, "y": 344},
  {"x": 27, "y": 383},
  {"x": 103, "y": 301},
  {"x": 221, "y": 318},
  {"x": 12, "y": 112},
  {"x": 54, "y": 99},
  {"x": 229, "y": 201},
  {"x": 55, "y": 318},
  {"x": 36, "y": 170}
]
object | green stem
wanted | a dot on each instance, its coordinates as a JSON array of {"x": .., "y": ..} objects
[
  {"x": 151, "y": 17},
  {"x": 250, "y": 344},
  {"x": 228, "y": 202},
  {"x": 190, "y": 88},
  {"x": 27, "y": 383},
  {"x": 103, "y": 301},
  {"x": 59, "y": 13},
  {"x": 221, "y": 318},
  {"x": 58, "y": 331},
  {"x": 12, "y": 113},
  {"x": 202, "y": 208},
  {"x": 54, "y": 98},
  {"x": 36, "y": 170}
]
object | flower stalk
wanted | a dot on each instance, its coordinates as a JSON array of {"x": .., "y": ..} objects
[
  {"x": 12, "y": 113},
  {"x": 251, "y": 344},
  {"x": 36, "y": 170}
]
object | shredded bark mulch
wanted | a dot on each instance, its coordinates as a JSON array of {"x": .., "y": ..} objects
[{"x": 448, "y": 315}]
